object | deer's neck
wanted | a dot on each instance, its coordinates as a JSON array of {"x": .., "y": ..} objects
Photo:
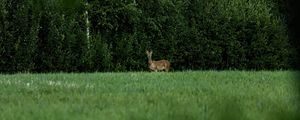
[{"x": 150, "y": 61}]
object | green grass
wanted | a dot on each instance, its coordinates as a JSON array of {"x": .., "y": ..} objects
[{"x": 202, "y": 95}]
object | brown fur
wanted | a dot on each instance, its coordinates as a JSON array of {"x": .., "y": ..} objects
[{"x": 157, "y": 65}]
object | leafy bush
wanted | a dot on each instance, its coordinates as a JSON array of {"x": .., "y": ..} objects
[{"x": 50, "y": 36}]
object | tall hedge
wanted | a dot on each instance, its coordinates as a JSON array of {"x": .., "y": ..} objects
[
  {"x": 51, "y": 36},
  {"x": 18, "y": 31}
]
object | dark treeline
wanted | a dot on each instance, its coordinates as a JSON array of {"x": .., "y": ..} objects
[{"x": 51, "y": 35}]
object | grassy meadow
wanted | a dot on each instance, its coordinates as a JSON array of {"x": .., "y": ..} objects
[{"x": 189, "y": 95}]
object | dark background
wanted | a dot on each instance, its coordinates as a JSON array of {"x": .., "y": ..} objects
[{"x": 50, "y": 36}]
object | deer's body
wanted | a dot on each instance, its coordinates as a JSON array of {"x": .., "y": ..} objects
[{"x": 157, "y": 65}]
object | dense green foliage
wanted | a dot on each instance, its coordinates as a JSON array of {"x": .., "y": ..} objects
[
  {"x": 196, "y": 95},
  {"x": 49, "y": 36}
]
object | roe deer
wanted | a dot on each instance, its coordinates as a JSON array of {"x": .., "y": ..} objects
[{"x": 157, "y": 65}]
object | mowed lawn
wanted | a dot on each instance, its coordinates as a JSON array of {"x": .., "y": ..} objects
[{"x": 189, "y": 95}]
